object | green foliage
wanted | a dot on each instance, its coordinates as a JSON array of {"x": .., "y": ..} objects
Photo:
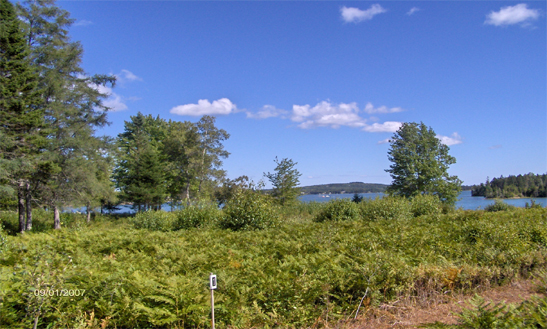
[
  {"x": 528, "y": 185},
  {"x": 249, "y": 210},
  {"x": 338, "y": 210},
  {"x": 498, "y": 205},
  {"x": 287, "y": 276},
  {"x": 426, "y": 204},
  {"x": 159, "y": 157},
  {"x": 484, "y": 315},
  {"x": 197, "y": 216},
  {"x": 386, "y": 208},
  {"x": 357, "y": 198},
  {"x": 3, "y": 240},
  {"x": 285, "y": 180},
  {"x": 420, "y": 164},
  {"x": 155, "y": 220}
]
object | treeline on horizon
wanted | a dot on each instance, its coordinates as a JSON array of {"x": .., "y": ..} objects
[
  {"x": 353, "y": 187},
  {"x": 521, "y": 186},
  {"x": 337, "y": 188}
]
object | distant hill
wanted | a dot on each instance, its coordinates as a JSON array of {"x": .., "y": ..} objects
[{"x": 354, "y": 187}]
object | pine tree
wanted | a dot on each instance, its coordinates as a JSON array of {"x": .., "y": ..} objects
[
  {"x": 21, "y": 113},
  {"x": 141, "y": 171},
  {"x": 72, "y": 100}
]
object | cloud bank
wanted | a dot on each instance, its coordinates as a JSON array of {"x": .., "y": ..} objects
[
  {"x": 222, "y": 106},
  {"x": 511, "y": 15},
  {"x": 327, "y": 114},
  {"x": 355, "y": 15}
]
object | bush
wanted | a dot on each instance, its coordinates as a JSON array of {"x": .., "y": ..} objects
[
  {"x": 248, "y": 210},
  {"x": 197, "y": 216},
  {"x": 154, "y": 220},
  {"x": 426, "y": 204},
  {"x": 337, "y": 210},
  {"x": 499, "y": 205},
  {"x": 3, "y": 240},
  {"x": 390, "y": 208}
]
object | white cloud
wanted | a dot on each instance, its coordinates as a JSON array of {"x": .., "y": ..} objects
[
  {"x": 83, "y": 22},
  {"x": 453, "y": 140},
  {"x": 127, "y": 76},
  {"x": 369, "y": 108},
  {"x": 114, "y": 101},
  {"x": 354, "y": 15},
  {"x": 267, "y": 111},
  {"x": 384, "y": 141},
  {"x": 512, "y": 15},
  {"x": 326, "y": 114},
  {"x": 222, "y": 106},
  {"x": 386, "y": 127},
  {"x": 413, "y": 10}
]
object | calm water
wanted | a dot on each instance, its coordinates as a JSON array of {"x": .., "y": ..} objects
[{"x": 466, "y": 200}]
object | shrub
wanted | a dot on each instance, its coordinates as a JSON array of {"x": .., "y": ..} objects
[
  {"x": 197, "y": 216},
  {"x": 499, "y": 205},
  {"x": 154, "y": 220},
  {"x": 337, "y": 210},
  {"x": 389, "y": 208},
  {"x": 426, "y": 204},
  {"x": 3, "y": 240},
  {"x": 248, "y": 210}
]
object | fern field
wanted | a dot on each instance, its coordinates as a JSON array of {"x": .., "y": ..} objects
[{"x": 296, "y": 273}]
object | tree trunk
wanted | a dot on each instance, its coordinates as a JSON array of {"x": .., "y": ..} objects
[
  {"x": 187, "y": 193},
  {"x": 21, "y": 208},
  {"x": 56, "y": 218},
  {"x": 29, "y": 207},
  {"x": 88, "y": 213}
]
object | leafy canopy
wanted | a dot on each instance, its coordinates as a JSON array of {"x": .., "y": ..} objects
[
  {"x": 285, "y": 180},
  {"x": 420, "y": 164}
]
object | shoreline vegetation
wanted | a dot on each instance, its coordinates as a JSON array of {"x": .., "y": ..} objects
[{"x": 521, "y": 186}]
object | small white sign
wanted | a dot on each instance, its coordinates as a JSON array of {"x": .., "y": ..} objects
[{"x": 212, "y": 281}]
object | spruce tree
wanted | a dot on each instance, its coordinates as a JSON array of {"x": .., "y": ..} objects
[
  {"x": 22, "y": 125},
  {"x": 72, "y": 101}
]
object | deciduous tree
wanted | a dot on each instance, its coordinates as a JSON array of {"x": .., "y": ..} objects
[
  {"x": 420, "y": 164},
  {"x": 285, "y": 180}
]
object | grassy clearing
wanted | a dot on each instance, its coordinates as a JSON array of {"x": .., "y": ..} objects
[{"x": 294, "y": 274}]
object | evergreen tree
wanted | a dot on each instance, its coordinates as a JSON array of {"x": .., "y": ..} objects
[
  {"x": 21, "y": 114},
  {"x": 420, "y": 164},
  {"x": 72, "y": 102},
  {"x": 141, "y": 171}
]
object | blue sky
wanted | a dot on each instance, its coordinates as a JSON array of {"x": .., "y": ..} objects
[{"x": 327, "y": 83}]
